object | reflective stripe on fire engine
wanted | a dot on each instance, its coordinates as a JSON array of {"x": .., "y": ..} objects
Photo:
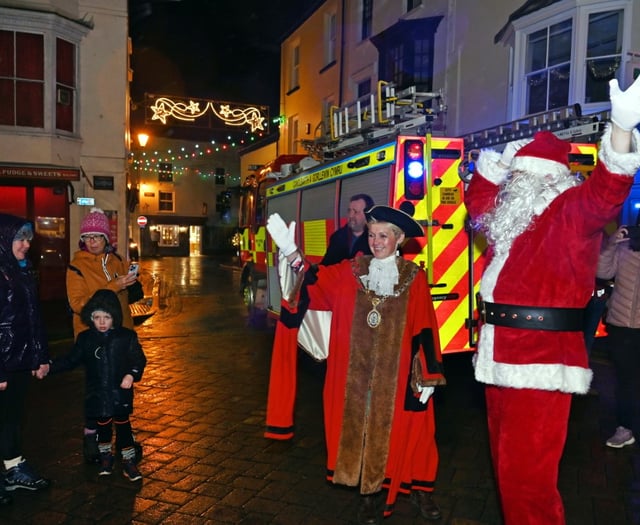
[
  {"x": 369, "y": 160},
  {"x": 315, "y": 237}
]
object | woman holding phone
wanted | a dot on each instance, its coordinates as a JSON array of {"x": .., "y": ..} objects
[{"x": 96, "y": 266}]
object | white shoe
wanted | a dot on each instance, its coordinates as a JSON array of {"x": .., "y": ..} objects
[{"x": 621, "y": 438}]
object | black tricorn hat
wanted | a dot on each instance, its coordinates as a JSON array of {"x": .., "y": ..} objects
[{"x": 402, "y": 220}]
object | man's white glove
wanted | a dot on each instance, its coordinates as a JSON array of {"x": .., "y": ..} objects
[
  {"x": 510, "y": 151},
  {"x": 625, "y": 105},
  {"x": 425, "y": 393},
  {"x": 282, "y": 235}
]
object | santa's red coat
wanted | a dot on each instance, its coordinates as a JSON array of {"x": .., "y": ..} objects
[{"x": 552, "y": 264}]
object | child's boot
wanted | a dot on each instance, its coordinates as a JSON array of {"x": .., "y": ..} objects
[
  {"x": 129, "y": 468},
  {"x": 106, "y": 459},
  {"x": 90, "y": 448}
]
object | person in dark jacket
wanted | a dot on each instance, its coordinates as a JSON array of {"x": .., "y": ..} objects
[
  {"x": 113, "y": 360},
  {"x": 23, "y": 349},
  {"x": 351, "y": 239}
]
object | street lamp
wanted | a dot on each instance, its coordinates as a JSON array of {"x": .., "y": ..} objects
[
  {"x": 143, "y": 138},
  {"x": 133, "y": 188}
]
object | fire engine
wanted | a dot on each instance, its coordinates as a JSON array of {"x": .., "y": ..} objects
[{"x": 384, "y": 147}]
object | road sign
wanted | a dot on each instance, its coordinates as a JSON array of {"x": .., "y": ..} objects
[{"x": 142, "y": 221}]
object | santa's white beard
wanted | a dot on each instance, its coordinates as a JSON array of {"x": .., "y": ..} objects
[{"x": 523, "y": 197}]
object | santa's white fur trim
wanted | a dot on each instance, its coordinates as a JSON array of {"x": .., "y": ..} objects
[
  {"x": 570, "y": 379},
  {"x": 488, "y": 166},
  {"x": 621, "y": 163},
  {"x": 539, "y": 165}
]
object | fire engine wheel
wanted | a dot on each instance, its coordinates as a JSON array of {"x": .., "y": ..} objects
[
  {"x": 245, "y": 277},
  {"x": 249, "y": 295},
  {"x": 253, "y": 289}
]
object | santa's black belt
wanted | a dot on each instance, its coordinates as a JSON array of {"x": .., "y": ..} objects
[{"x": 532, "y": 317}]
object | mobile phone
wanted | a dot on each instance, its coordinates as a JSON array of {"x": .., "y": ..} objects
[{"x": 133, "y": 268}]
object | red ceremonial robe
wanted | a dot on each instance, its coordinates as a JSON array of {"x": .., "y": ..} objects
[{"x": 377, "y": 432}]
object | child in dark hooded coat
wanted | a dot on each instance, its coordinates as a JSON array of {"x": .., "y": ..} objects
[{"x": 113, "y": 360}]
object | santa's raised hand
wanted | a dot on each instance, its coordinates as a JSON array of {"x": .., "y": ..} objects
[{"x": 625, "y": 105}]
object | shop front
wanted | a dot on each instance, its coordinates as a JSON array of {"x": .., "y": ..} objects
[
  {"x": 42, "y": 194},
  {"x": 174, "y": 236}
]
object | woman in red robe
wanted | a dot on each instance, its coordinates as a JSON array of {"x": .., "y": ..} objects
[{"x": 383, "y": 363}]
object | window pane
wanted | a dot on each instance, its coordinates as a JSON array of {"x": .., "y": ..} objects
[
  {"x": 559, "y": 86},
  {"x": 6, "y": 54},
  {"x": 605, "y": 34},
  {"x": 395, "y": 69},
  {"x": 65, "y": 63},
  {"x": 6, "y": 103},
  {"x": 599, "y": 72},
  {"x": 29, "y": 104},
  {"x": 29, "y": 56},
  {"x": 537, "y": 92},
  {"x": 422, "y": 64},
  {"x": 165, "y": 201},
  {"x": 367, "y": 17},
  {"x": 537, "y": 51},
  {"x": 64, "y": 108},
  {"x": 604, "y": 54},
  {"x": 364, "y": 88},
  {"x": 560, "y": 43}
]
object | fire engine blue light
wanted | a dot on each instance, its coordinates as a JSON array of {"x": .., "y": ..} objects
[{"x": 415, "y": 169}]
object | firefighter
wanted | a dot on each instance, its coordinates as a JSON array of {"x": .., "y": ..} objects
[{"x": 346, "y": 242}]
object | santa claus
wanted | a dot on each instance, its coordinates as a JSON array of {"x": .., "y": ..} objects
[{"x": 544, "y": 229}]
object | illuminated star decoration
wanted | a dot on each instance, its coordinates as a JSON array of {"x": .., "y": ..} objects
[{"x": 164, "y": 107}]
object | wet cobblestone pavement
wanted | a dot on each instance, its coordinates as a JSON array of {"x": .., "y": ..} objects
[{"x": 199, "y": 414}]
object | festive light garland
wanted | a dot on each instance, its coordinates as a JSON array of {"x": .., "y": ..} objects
[
  {"x": 147, "y": 161},
  {"x": 241, "y": 115}
]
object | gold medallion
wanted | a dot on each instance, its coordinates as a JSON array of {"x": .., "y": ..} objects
[{"x": 373, "y": 317}]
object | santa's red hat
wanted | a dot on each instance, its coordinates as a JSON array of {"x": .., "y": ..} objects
[{"x": 545, "y": 154}]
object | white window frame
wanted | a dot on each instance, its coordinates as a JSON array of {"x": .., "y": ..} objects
[
  {"x": 161, "y": 200},
  {"x": 51, "y": 27},
  {"x": 330, "y": 37},
  {"x": 294, "y": 69},
  {"x": 578, "y": 11}
]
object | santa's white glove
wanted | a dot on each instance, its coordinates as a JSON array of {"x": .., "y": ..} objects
[
  {"x": 625, "y": 105},
  {"x": 282, "y": 235},
  {"x": 510, "y": 151},
  {"x": 425, "y": 393}
]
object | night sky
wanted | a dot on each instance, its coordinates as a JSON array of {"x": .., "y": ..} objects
[{"x": 227, "y": 50}]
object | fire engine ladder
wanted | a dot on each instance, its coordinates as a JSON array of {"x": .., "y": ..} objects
[
  {"x": 379, "y": 115},
  {"x": 566, "y": 123}
]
